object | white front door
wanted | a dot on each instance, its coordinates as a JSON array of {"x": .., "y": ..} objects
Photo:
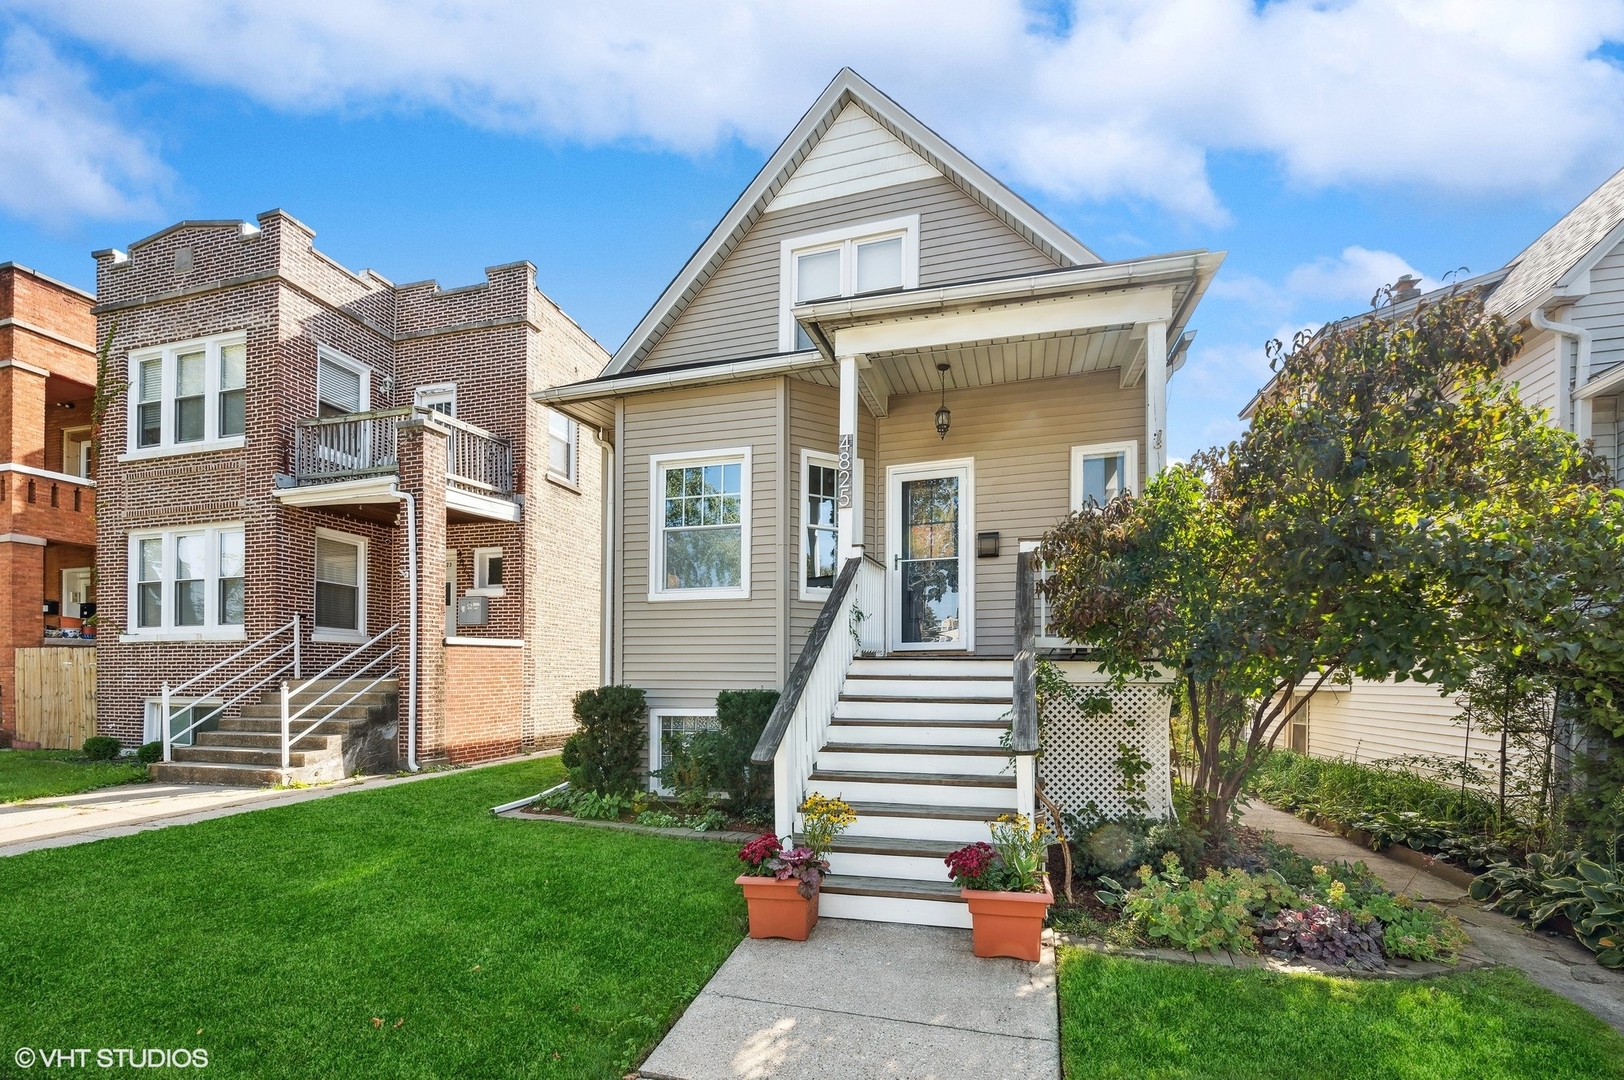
[
  {"x": 451, "y": 594},
  {"x": 928, "y": 516}
]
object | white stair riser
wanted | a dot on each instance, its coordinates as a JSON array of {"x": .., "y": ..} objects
[
  {"x": 927, "y": 689},
  {"x": 994, "y": 764},
  {"x": 907, "y": 867},
  {"x": 893, "y": 909},
  {"x": 921, "y": 710},
  {"x": 941, "y": 669},
  {"x": 957, "y": 830},
  {"x": 919, "y": 794},
  {"x": 916, "y": 735}
]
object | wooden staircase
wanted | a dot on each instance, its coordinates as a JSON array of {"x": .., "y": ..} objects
[
  {"x": 247, "y": 749},
  {"x": 915, "y": 747}
]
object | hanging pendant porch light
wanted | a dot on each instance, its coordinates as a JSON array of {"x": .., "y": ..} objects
[{"x": 943, "y": 417}]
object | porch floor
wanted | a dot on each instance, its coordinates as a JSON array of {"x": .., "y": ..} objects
[{"x": 866, "y": 999}]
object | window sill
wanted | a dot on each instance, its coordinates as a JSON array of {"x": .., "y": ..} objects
[
  {"x": 141, "y": 637},
  {"x": 338, "y": 637},
  {"x": 672, "y": 595},
  {"x": 147, "y": 453},
  {"x": 816, "y": 595},
  {"x": 487, "y": 642},
  {"x": 564, "y": 482}
]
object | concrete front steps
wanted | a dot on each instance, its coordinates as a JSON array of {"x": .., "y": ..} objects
[
  {"x": 246, "y": 750},
  {"x": 915, "y": 748}
]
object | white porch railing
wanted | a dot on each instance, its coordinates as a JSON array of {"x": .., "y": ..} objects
[
  {"x": 281, "y": 659},
  {"x": 314, "y": 708},
  {"x": 852, "y": 622}
]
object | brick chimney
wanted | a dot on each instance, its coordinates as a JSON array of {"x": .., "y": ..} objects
[{"x": 1406, "y": 288}]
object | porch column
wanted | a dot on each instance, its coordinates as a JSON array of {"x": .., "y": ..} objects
[
  {"x": 1155, "y": 398},
  {"x": 845, "y": 505}
]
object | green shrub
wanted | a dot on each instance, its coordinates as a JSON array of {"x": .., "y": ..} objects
[
  {"x": 608, "y": 754},
  {"x": 150, "y": 752},
  {"x": 1409, "y": 930},
  {"x": 590, "y": 806},
  {"x": 658, "y": 819},
  {"x": 102, "y": 748},
  {"x": 1216, "y": 912},
  {"x": 1107, "y": 846},
  {"x": 712, "y": 820}
]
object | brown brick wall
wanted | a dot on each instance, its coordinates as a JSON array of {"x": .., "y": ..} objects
[{"x": 484, "y": 698}]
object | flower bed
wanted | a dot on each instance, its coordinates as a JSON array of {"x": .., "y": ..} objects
[{"x": 646, "y": 810}]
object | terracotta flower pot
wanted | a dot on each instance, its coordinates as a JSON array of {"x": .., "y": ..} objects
[
  {"x": 777, "y": 908},
  {"x": 1009, "y": 923}
]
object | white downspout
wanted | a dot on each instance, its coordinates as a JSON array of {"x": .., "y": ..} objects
[
  {"x": 1569, "y": 408},
  {"x": 411, "y": 620}
]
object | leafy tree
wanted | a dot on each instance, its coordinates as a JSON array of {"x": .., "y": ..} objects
[{"x": 1392, "y": 511}]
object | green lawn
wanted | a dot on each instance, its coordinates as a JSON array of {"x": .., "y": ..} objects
[
  {"x": 1158, "y": 1021},
  {"x": 274, "y": 938},
  {"x": 34, "y": 774}
]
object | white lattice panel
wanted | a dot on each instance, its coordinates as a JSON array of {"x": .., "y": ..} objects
[{"x": 1080, "y": 751}]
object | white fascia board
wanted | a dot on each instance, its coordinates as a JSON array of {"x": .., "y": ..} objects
[
  {"x": 675, "y": 378},
  {"x": 484, "y": 506},
  {"x": 1607, "y": 383},
  {"x": 1012, "y": 321},
  {"x": 368, "y": 489}
]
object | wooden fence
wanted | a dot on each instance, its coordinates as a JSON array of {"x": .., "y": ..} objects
[{"x": 56, "y": 696}]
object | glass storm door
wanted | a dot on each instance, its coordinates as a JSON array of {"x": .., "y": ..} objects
[{"x": 930, "y": 581}]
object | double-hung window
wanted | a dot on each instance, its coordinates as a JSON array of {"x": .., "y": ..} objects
[
  {"x": 872, "y": 257},
  {"x": 700, "y": 525},
  {"x": 343, "y": 386},
  {"x": 561, "y": 446},
  {"x": 341, "y": 562},
  {"x": 819, "y": 560},
  {"x": 189, "y": 396},
  {"x": 187, "y": 582},
  {"x": 1101, "y": 472}
]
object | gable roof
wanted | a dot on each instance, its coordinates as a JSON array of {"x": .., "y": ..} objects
[
  {"x": 1544, "y": 264},
  {"x": 847, "y": 88}
]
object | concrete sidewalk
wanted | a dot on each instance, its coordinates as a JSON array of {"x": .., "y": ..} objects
[
  {"x": 1556, "y": 962},
  {"x": 863, "y": 999},
  {"x": 133, "y": 808}
]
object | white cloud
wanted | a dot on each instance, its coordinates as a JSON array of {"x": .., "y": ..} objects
[
  {"x": 1461, "y": 96},
  {"x": 1334, "y": 285},
  {"x": 66, "y": 155}
]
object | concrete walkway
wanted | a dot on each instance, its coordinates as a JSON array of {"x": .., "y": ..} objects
[
  {"x": 1556, "y": 962},
  {"x": 132, "y": 808},
  {"x": 862, "y": 999}
]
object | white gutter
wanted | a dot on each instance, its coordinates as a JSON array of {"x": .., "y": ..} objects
[
  {"x": 411, "y": 620},
  {"x": 738, "y": 371},
  {"x": 1572, "y": 410}
]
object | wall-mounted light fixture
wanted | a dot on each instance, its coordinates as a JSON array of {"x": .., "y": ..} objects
[{"x": 943, "y": 417}]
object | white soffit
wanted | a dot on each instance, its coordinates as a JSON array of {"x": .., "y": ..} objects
[{"x": 855, "y": 154}]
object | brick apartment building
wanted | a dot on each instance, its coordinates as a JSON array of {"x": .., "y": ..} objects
[
  {"x": 47, "y": 494},
  {"x": 297, "y": 441}
]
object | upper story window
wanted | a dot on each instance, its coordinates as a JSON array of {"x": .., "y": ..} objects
[
  {"x": 875, "y": 256},
  {"x": 187, "y": 582},
  {"x": 343, "y": 385},
  {"x": 562, "y": 434},
  {"x": 189, "y": 396},
  {"x": 818, "y": 561},
  {"x": 699, "y": 533},
  {"x": 1101, "y": 472},
  {"x": 437, "y": 397}
]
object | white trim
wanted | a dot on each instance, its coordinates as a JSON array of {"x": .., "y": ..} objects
[
  {"x": 90, "y": 578},
  {"x": 335, "y": 633},
  {"x": 809, "y": 458},
  {"x": 370, "y": 490},
  {"x": 211, "y": 628},
  {"x": 431, "y": 394},
  {"x": 677, "y": 378},
  {"x": 657, "y": 464},
  {"x": 655, "y": 726},
  {"x": 29, "y": 470},
  {"x": 1130, "y": 451},
  {"x": 67, "y": 438},
  {"x": 489, "y": 507},
  {"x": 152, "y": 717},
  {"x": 894, "y": 475},
  {"x": 166, "y": 354},
  {"x": 843, "y": 239},
  {"x": 333, "y": 356},
  {"x": 1606, "y": 384},
  {"x": 571, "y": 476},
  {"x": 482, "y": 557},
  {"x": 491, "y": 642}
]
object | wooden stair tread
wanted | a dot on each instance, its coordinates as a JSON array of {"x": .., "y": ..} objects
[
  {"x": 901, "y": 888},
  {"x": 925, "y": 810},
  {"x": 913, "y": 748},
  {"x": 943, "y": 779}
]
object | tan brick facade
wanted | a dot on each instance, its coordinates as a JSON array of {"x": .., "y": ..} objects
[{"x": 496, "y": 341}]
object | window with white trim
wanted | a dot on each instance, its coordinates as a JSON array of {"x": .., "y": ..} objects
[
  {"x": 872, "y": 257},
  {"x": 343, "y": 385},
  {"x": 819, "y": 559},
  {"x": 187, "y": 582},
  {"x": 341, "y": 584},
  {"x": 183, "y": 713},
  {"x": 488, "y": 572},
  {"x": 1102, "y": 471},
  {"x": 562, "y": 435},
  {"x": 437, "y": 397},
  {"x": 667, "y": 728},
  {"x": 700, "y": 525},
  {"x": 189, "y": 396}
]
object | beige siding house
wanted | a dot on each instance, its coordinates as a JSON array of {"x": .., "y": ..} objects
[
  {"x": 880, "y": 376},
  {"x": 1567, "y": 291}
]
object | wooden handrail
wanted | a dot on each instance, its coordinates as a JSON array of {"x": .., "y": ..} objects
[
  {"x": 1024, "y": 733},
  {"x": 778, "y": 723}
]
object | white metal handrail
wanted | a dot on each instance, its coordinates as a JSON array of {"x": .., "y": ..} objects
[
  {"x": 289, "y": 717},
  {"x": 290, "y": 650}
]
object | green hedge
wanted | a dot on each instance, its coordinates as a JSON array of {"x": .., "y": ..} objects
[{"x": 1342, "y": 790}]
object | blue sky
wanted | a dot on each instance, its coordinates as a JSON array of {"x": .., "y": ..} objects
[{"x": 1327, "y": 147}]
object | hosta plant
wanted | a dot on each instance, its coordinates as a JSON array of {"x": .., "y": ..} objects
[{"x": 1589, "y": 894}]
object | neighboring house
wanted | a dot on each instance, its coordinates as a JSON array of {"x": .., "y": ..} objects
[
  {"x": 47, "y": 507},
  {"x": 1566, "y": 289},
  {"x": 880, "y": 378},
  {"x": 304, "y": 465}
]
